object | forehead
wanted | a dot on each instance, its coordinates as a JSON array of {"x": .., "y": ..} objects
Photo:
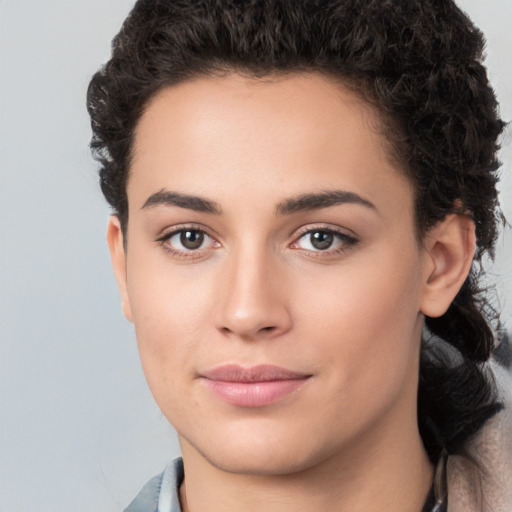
[
  {"x": 310, "y": 103},
  {"x": 279, "y": 134}
]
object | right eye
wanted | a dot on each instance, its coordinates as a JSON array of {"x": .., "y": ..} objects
[{"x": 187, "y": 242}]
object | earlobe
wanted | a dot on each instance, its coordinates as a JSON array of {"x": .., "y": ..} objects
[
  {"x": 449, "y": 251},
  {"x": 116, "y": 247}
]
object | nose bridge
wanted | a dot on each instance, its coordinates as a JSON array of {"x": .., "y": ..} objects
[{"x": 252, "y": 303}]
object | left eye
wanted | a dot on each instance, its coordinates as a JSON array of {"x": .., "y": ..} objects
[{"x": 322, "y": 240}]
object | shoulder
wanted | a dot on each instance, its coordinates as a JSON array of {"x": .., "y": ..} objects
[
  {"x": 160, "y": 494},
  {"x": 480, "y": 477}
]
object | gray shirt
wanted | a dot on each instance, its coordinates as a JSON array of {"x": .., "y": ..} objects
[{"x": 161, "y": 493}]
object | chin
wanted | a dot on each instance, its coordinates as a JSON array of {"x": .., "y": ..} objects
[
  {"x": 259, "y": 464},
  {"x": 257, "y": 453}
]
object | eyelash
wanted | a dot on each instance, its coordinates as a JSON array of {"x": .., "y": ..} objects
[{"x": 346, "y": 242}]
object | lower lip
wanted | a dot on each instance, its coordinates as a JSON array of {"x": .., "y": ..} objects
[{"x": 254, "y": 394}]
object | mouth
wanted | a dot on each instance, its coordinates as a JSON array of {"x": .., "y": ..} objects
[{"x": 253, "y": 387}]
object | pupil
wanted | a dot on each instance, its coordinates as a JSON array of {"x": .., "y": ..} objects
[
  {"x": 192, "y": 239},
  {"x": 321, "y": 240}
]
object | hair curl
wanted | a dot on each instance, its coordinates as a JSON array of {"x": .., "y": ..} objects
[{"x": 419, "y": 62}]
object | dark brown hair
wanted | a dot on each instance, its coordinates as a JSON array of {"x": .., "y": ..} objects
[{"x": 419, "y": 62}]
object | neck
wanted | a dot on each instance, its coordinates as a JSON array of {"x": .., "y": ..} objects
[{"x": 382, "y": 472}]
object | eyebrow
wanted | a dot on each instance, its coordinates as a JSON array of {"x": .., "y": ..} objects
[
  {"x": 304, "y": 202},
  {"x": 196, "y": 203},
  {"x": 321, "y": 200}
]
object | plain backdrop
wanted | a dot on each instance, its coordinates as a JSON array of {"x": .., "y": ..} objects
[{"x": 78, "y": 428}]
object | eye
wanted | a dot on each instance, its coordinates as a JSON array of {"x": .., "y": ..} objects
[
  {"x": 324, "y": 240},
  {"x": 190, "y": 239},
  {"x": 320, "y": 240},
  {"x": 187, "y": 242}
]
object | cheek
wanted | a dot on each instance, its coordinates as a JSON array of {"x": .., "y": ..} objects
[
  {"x": 170, "y": 313},
  {"x": 366, "y": 313}
]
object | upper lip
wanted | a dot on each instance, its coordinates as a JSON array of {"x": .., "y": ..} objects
[{"x": 259, "y": 373}]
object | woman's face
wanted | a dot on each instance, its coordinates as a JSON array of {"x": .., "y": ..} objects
[{"x": 272, "y": 271}]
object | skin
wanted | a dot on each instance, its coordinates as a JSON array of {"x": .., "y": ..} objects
[{"x": 257, "y": 291}]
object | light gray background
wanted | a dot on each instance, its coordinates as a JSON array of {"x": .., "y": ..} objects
[{"x": 78, "y": 429}]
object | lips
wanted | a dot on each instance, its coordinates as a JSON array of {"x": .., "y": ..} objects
[{"x": 252, "y": 387}]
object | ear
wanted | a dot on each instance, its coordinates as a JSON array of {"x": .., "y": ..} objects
[
  {"x": 118, "y": 257},
  {"x": 449, "y": 251}
]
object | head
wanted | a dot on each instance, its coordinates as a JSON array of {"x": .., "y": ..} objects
[{"x": 403, "y": 79}]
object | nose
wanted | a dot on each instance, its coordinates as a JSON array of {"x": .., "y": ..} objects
[{"x": 252, "y": 301}]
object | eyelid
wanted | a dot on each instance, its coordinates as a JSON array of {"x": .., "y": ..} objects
[
  {"x": 331, "y": 228},
  {"x": 172, "y": 230}
]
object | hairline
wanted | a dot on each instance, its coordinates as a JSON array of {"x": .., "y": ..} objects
[{"x": 380, "y": 122}]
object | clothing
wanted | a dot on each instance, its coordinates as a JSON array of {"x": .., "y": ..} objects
[
  {"x": 479, "y": 479},
  {"x": 161, "y": 493}
]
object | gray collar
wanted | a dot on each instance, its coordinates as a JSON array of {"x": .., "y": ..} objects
[{"x": 161, "y": 493}]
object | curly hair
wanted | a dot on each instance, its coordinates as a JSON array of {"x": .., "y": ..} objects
[{"x": 418, "y": 62}]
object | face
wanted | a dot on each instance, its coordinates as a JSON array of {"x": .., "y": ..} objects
[{"x": 272, "y": 271}]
